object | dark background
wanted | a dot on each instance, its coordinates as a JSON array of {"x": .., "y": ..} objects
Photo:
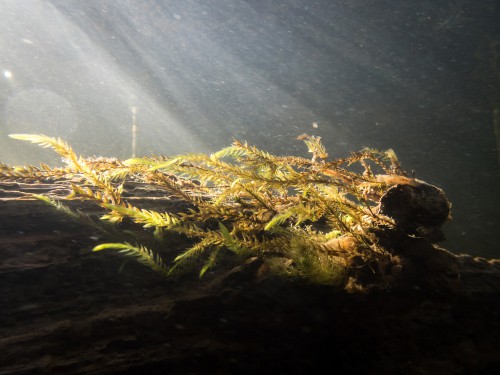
[{"x": 421, "y": 77}]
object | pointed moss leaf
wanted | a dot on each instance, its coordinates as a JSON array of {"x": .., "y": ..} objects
[
  {"x": 163, "y": 165},
  {"x": 113, "y": 246},
  {"x": 231, "y": 151},
  {"x": 225, "y": 232},
  {"x": 145, "y": 217},
  {"x": 210, "y": 262},
  {"x": 333, "y": 234},
  {"x": 143, "y": 254},
  {"x": 235, "y": 183},
  {"x": 43, "y": 198},
  {"x": 137, "y": 161},
  {"x": 278, "y": 219},
  {"x": 391, "y": 155},
  {"x": 229, "y": 240},
  {"x": 35, "y": 138}
]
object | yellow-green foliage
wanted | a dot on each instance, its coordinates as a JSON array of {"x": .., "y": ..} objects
[
  {"x": 303, "y": 259},
  {"x": 244, "y": 200},
  {"x": 145, "y": 255}
]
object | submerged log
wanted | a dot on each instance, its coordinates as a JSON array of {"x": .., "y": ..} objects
[
  {"x": 65, "y": 310},
  {"x": 418, "y": 209}
]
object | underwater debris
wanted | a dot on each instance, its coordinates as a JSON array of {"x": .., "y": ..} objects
[{"x": 319, "y": 219}]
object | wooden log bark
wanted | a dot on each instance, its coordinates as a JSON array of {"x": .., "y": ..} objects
[{"x": 65, "y": 310}]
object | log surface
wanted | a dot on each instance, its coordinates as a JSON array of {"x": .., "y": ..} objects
[{"x": 66, "y": 310}]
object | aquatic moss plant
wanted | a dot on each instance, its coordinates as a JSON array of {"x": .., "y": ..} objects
[{"x": 312, "y": 216}]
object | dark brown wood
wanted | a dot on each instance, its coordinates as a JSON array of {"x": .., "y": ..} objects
[
  {"x": 66, "y": 310},
  {"x": 418, "y": 208}
]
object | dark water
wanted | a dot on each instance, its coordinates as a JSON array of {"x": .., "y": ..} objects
[{"x": 414, "y": 76}]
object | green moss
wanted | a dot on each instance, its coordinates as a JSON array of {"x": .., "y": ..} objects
[{"x": 244, "y": 200}]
